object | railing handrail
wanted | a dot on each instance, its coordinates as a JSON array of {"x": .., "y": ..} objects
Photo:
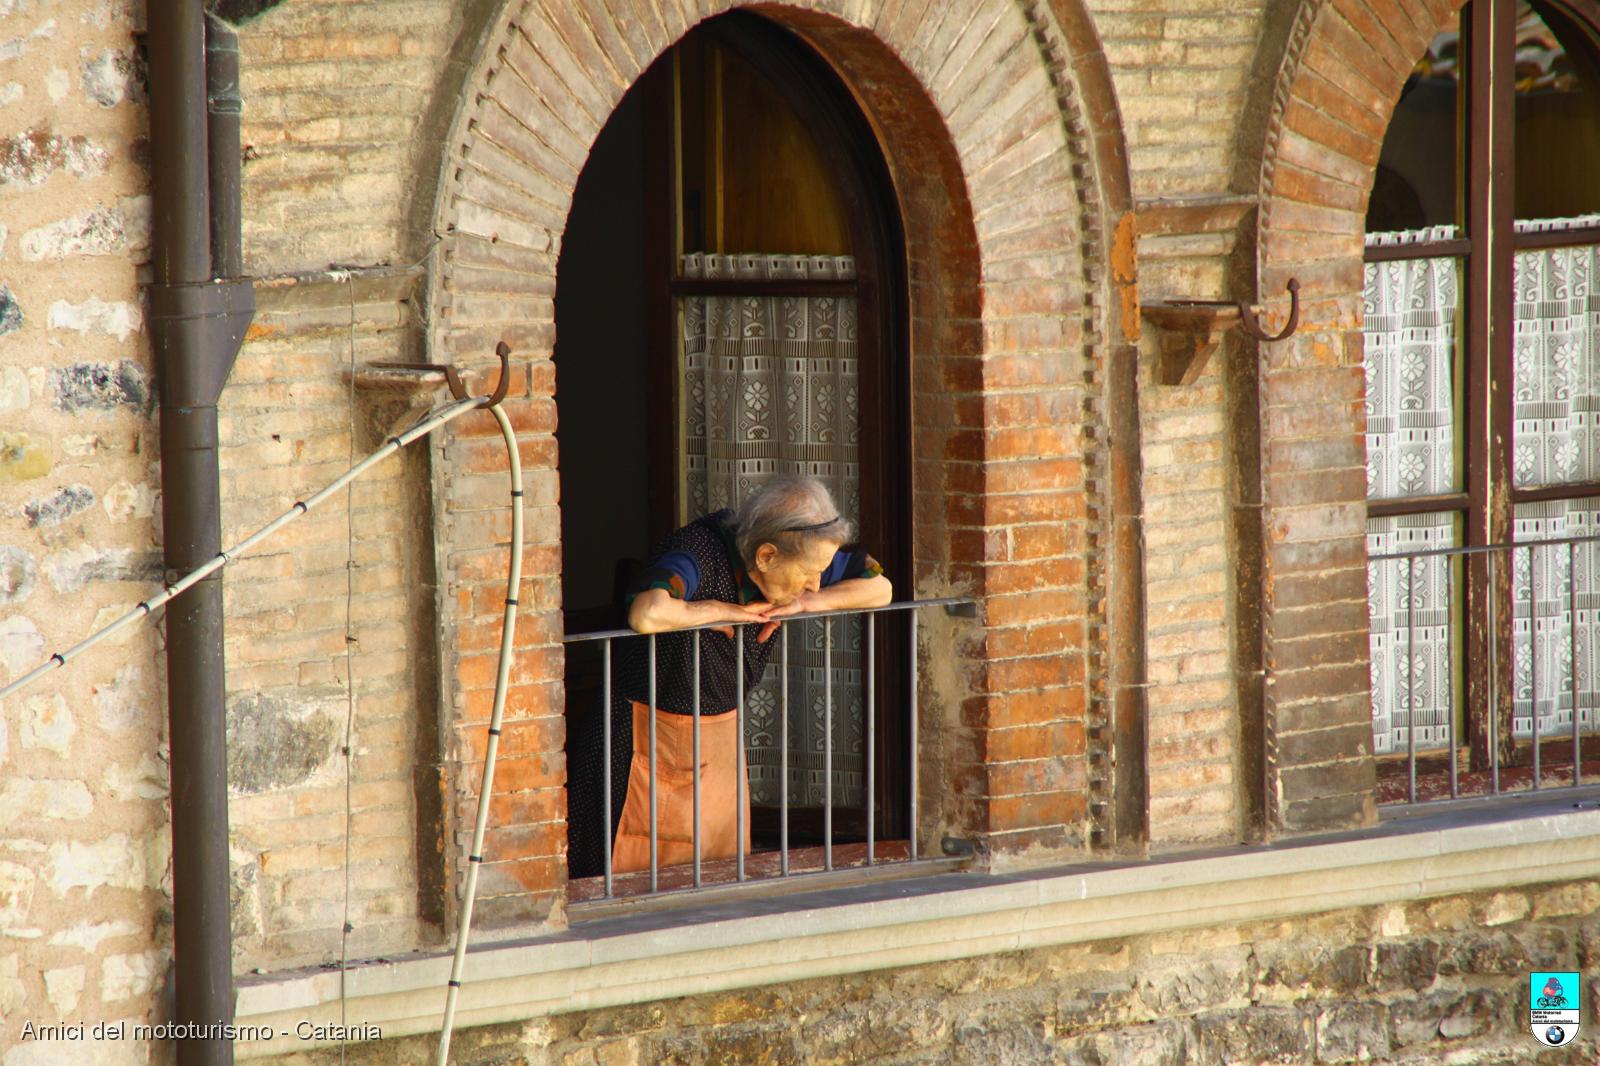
[
  {"x": 1480, "y": 549},
  {"x": 901, "y": 605}
]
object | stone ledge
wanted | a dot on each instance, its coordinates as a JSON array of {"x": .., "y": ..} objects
[{"x": 748, "y": 943}]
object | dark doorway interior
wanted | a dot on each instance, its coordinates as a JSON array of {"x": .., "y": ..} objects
[{"x": 600, "y": 373}]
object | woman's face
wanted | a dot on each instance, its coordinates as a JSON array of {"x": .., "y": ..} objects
[{"x": 784, "y": 578}]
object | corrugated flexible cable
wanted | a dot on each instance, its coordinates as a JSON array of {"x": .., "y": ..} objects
[{"x": 492, "y": 747}]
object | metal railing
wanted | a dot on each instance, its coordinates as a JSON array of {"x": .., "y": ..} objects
[
  {"x": 1500, "y": 764},
  {"x": 953, "y": 605}
]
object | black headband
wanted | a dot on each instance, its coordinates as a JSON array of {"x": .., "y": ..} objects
[{"x": 812, "y": 527}]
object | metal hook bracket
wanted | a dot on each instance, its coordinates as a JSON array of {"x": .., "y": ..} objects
[
  {"x": 1252, "y": 325},
  {"x": 452, "y": 376},
  {"x": 1191, "y": 331}
]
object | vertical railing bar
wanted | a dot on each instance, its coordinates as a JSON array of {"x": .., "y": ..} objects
[
  {"x": 911, "y": 833},
  {"x": 605, "y": 733},
  {"x": 1411, "y": 680},
  {"x": 783, "y": 755},
  {"x": 1494, "y": 676},
  {"x": 695, "y": 773},
  {"x": 871, "y": 679},
  {"x": 738, "y": 746},
  {"x": 655, "y": 872},
  {"x": 1572, "y": 645},
  {"x": 1533, "y": 661},
  {"x": 1450, "y": 702},
  {"x": 827, "y": 743}
]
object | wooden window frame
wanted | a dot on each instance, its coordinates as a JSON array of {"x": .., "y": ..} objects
[{"x": 1486, "y": 257}]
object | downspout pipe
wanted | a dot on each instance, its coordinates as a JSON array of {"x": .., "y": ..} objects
[{"x": 199, "y": 310}]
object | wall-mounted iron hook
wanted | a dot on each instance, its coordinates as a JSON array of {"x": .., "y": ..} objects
[
  {"x": 1252, "y": 325},
  {"x": 452, "y": 376}
]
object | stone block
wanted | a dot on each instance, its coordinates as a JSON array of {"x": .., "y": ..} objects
[
  {"x": 1578, "y": 897},
  {"x": 1505, "y": 952},
  {"x": 754, "y": 1044},
  {"x": 23, "y": 457},
  {"x": 1161, "y": 1044},
  {"x": 1259, "y": 1035},
  {"x": 1352, "y": 1032},
  {"x": 1192, "y": 983},
  {"x": 1445, "y": 1016},
  {"x": 871, "y": 1029},
  {"x": 274, "y": 742},
  {"x": 1409, "y": 964},
  {"x": 1294, "y": 970},
  {"x": 99, "y": 387},
  {"x": 46, "y": 511}
]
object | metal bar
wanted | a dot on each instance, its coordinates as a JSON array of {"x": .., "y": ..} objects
[
  {"x": 605, "y": 728},
  {"x": 911, "y": 827},
  {"x": 655, "y": 871},
  {"x": 1572, "y": 638},
  {"x": 695, "y": 772},
  {"x": 628, "y": 906},
  {"x": 783, "y": 756},
  {"x": 871, "y": 679},
  {"x": 1494, "y": 680},
  {"x": 738, "y": 743},
  {"x": 1450, "y": 702},
  {"x": 1533, "y": 661},
  {"x": 1411, "y": 682},
  {"x": 1476, "y": 549},
  {"x": 827, "y": 743},
  {"x": 903, "y": 605}
]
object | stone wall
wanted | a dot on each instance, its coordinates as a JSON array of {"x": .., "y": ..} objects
[
  {"x": 83, "y": 777},
  {"x": 1420, "y": 982}
]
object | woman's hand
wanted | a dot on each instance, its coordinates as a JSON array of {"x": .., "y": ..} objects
[
  {"x": 656, "y": 611},
  {"x": 842, "y": 596}
]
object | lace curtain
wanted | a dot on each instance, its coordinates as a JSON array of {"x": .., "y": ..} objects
[
  {"x": 771, "y": 387},
  {"x": 1410, "y": 322},
  {"x": 1556, "y": 401},
  {"x": 1410, "y": 308}
]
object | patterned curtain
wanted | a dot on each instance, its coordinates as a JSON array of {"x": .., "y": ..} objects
[
  {"x": 1410, "y": 323},
  {"x": 772, "y": 388},
  {"x": 1556, "y": 387}
]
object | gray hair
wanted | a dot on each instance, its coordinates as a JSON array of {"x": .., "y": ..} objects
[{"x": 771, "y": 513}]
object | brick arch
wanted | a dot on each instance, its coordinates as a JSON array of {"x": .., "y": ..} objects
[
  {"x": 1344, "y": 64},
  {"x": 1002, "y": 208}
]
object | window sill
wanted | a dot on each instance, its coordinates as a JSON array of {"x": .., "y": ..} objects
[{"x": 737, "y": 943}]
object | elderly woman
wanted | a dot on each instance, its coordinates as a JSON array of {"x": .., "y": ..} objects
[{"x": 783, "y": 554}]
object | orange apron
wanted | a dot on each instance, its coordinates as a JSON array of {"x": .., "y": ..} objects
[{"x": 719, "y": 761}]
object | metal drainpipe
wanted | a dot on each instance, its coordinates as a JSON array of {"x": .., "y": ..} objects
[{"x": 197, "y": 324}]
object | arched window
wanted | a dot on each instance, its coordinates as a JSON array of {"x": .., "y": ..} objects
[
  {"x": 1483, "y": 387},
  {"x": 729, "y": 307}
]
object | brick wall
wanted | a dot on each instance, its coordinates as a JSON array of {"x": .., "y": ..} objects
[
  {"x": 335, "y": 126},
  {"x": 998, "y": 375},
  {"x": 1182, "y": 72},
  {"x": 1346, "y": 64}
]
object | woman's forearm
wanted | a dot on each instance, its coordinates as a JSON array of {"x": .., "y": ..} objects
[
  {"x": 849, "y": 595},
  {"x": 657, "y": 611}
]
